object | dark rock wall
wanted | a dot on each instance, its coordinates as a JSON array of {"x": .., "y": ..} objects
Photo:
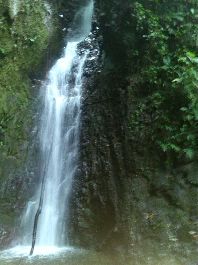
[{"x": 128, "y": 195}]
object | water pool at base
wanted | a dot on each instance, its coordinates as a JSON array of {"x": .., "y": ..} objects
[{"x": 72, "y": 256}]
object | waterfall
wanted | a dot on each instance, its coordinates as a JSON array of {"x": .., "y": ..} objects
[
  {"x": 59, "y": 138},
  {"x": 14, "y": 7}
]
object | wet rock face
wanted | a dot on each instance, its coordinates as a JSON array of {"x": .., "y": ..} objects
[
  {"x": 124, "y": 195},
  {"x": 65, "y": 11},
  {"x": 100, "y": 183}
]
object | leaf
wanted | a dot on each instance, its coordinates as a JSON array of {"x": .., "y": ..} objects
[
  {"x": 192, "y": 10},
  {"x": 190, "y": 137},
  {"x": 184, "y": 109},
  {"x": 191, "y": 55},
  {"x": 175, "y": 147},
  {"x": 177, "y": 80},
  {"x": 189, "y": 153}
]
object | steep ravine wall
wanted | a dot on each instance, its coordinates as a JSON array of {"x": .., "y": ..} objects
[
  {"x": 131, "y": 195},
  {"x": 128, "y": 194}
]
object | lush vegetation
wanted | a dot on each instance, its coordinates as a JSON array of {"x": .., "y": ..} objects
[
  {"x": 163, "y": 57},
  {"x": 151, "y": 75},
  {"x": 24, "y": 36}
]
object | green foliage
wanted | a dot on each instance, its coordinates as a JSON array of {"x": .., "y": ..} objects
[
  {"x": 24, "y": 38},
  {"x": 164, "y": 76}
]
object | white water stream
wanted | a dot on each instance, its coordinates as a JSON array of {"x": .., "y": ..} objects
[
  {"x": 14, "y": 7},
  {"x": 59, "y": 140}
]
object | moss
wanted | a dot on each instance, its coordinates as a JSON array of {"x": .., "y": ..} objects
[{"x": 24, "y": 40}]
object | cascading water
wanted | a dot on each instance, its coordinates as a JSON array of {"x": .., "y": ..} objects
[
  {"x": 14, "y": 7},
  {"x": 59, "y": 138}
]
